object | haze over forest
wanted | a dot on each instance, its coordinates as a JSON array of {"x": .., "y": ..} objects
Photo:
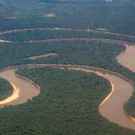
[{"x": 67, "y": 67}]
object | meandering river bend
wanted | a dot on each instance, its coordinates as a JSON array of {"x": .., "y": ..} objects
[{"x": 111, "y": 108}]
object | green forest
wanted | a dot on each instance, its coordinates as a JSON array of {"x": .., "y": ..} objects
[
  {"x": 91, "y": 33},
  {"x": 68, "y": 104},
  {"x": 5, "y": 89}
]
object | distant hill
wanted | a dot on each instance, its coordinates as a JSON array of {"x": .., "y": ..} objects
[
  {"x": 30, "y": 4},
  {"x": 5, "y": 11},
  {"x": 20, "y": 3}
]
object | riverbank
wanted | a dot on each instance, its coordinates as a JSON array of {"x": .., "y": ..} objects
[
  {"x": 126, "y": 58},
  {"x": 122, "y": 90}
]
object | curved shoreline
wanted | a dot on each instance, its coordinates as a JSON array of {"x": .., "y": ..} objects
[
  {"x": 122, "y": 89},
  {"x": 20, "y": 85},
  {"x": 65, "y": 29},
  {"x": 123, "y": 37},
  {"x": 111, "y": 108},
  {"x": 126, "y": 58}
]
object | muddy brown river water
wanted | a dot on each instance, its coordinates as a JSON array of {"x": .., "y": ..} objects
[
  {"x": 127, "y": 58},
  {"x": 111, "y": 108},
  {"x": 23, "y": 91}
]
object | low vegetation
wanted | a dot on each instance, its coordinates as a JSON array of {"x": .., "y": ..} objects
[
  {"x": 70, "y": 108},
  {"x": 5, "y": 89},
  {"x": 43, "y": 34},
  {"x": 94, "y": 53}
]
